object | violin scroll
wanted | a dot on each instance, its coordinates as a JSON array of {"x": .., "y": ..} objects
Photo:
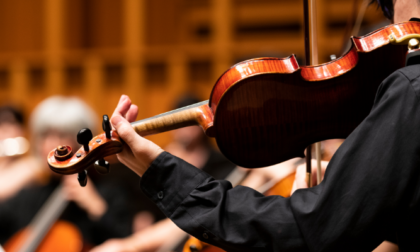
[
  {"x": 63, "y": 161},
  {"x": 267, "y": 110},
  {"x": 106, "y": 126},
  {"x": 102, "y": 166},
  {"x": 82, "y": 178},
  {"x": 63, "y": 152},
  {"x": 83, "y": 137}
]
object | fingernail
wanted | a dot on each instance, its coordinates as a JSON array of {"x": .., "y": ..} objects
[
  {"x": 115, "y": 120},
  {"x": 123, "y": 97}
]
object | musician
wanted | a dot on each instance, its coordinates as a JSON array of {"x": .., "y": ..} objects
[
  {"x": 13, "y": 168},
  {"x": 99, "y": 211},
  {"x": 371, "y": 188}
]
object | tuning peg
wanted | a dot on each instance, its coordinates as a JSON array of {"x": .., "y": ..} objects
[
  {"x": 82, "y": 178},
  {"x": 102, "y": 166},
  {"x": 106, "y": 126},
  {"x": 83, "y": 137}
]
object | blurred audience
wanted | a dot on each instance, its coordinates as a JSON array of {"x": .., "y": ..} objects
[{"x": 98, "y": 210}]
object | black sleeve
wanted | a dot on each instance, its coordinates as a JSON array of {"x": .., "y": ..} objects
[
  {"x": 367, "y": 187},
  {"x": 236, "y": 219}
]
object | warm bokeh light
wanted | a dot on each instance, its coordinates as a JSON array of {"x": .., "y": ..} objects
[
  {"x": 13, "y": 146},
  {"x": 152, "y": 50}
]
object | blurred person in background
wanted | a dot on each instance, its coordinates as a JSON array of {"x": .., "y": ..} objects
[
  {"x": 13, "y": 145},
  {"x": 11, "y": 126},
  {"x": 98, "y": 211}
]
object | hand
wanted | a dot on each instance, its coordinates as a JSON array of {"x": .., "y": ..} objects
[
  {"x": 138, "y": 153},
  {"x": 114, "y": 245},
  {"x": 86, "y": 197}
]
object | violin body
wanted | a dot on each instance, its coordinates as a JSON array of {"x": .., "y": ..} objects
[
  {"x": 267, "y": 110},
  {"x": 53, "y": 241}
]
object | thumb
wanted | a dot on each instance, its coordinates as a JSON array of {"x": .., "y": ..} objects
[
  {"x": 125, "y": 131},
  {"x": 143, "y": 151}
]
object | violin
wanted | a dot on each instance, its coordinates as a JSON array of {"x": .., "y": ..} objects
[
  {"x": 53, "y": 240},
  {"x": 264, "y": 111}
]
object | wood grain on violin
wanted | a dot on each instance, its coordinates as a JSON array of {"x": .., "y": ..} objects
[
  {"x": 264, "y": 106},
  {"x": 99, "y": 146},
  {"x": 267, "y": 110},
  {"x": 44, "y": 233},
  {"x": 196, "y": 114},
  {"x": 53, "y": 240}
]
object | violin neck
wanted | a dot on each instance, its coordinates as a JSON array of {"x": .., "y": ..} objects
[{"x": 197, "y": 114}]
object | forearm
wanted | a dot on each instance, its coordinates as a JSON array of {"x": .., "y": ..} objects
[
  {"x": 237, "y": 219},
  {"x": 97, "y": 208}
]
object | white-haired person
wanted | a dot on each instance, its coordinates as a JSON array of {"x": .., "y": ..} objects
[{"x": 99, "y": 212}]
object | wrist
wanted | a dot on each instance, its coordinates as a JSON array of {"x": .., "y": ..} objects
[{"x": 151, "y": 153}]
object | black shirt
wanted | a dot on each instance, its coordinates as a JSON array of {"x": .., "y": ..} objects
[
  {"x": 371, "y": 189},
  {"x": 17, "y": 212}
]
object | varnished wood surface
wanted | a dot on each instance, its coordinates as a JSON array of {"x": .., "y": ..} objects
[
  {"x": 200, "y": 246},
  {"x": 63, "y": 237},
  {"x": 320, "y": 72},
  {"x": 97, "y": 150},
  {"x": 378, "y": 38},
  {"x": 100, "y": 147},
  {"x": 267, "y": 110},
  {"x": 364, "y": 44},
  {"x": 283, "y": 187},
  {"x": 196, "y": 114},
  {"x": 263, "y": 117}
]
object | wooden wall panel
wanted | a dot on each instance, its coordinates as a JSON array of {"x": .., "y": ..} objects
[
  {"x": 21, "y": 25},
  {"x": 152, "y": 50}
]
